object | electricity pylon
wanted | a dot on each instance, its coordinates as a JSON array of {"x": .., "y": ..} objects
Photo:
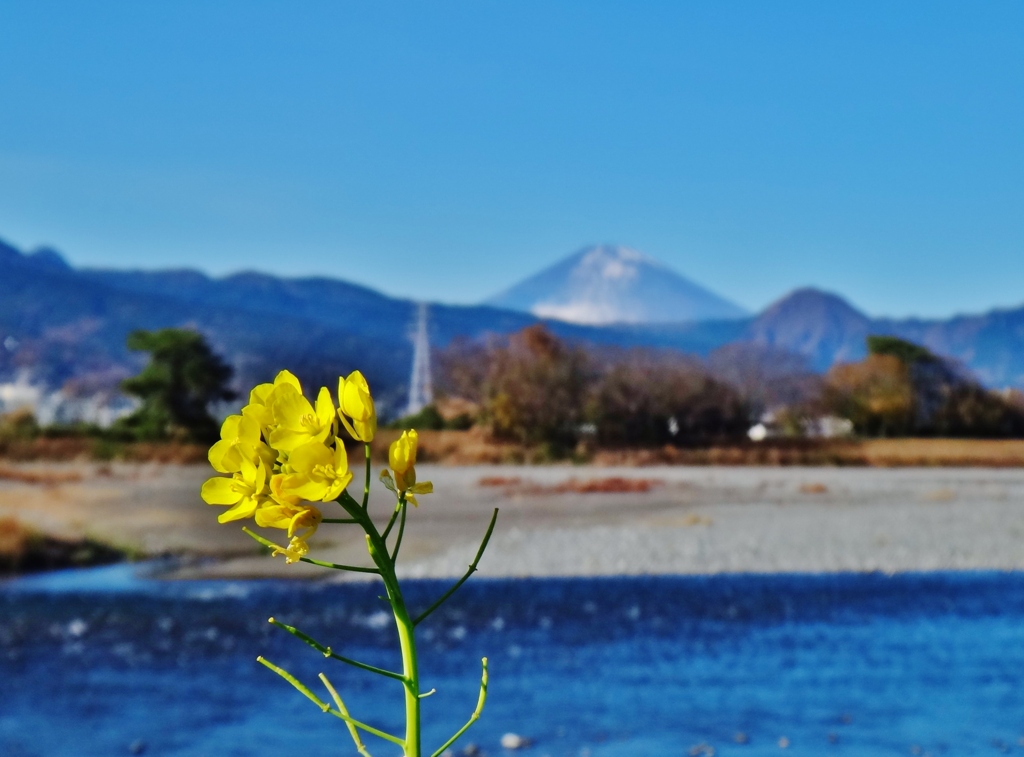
[{"x": 421, "y": 390}]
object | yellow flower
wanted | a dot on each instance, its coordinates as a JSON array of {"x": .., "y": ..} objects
[
  {"x": 402, "y": 457},
  {"x": 290, "y": 518},
  {"x": 239, "y": 438},
  {"x": 297, "y": 549},
  {"x": 316, "y": 472},
  {"x": 279, "y": 495},
  {"x": 402, "y": 452},
  {"x": 260, "y": 407},
  {"x": 244, "y": 492},
  {"x": 354, "y": 401},
  {"x": 297, "y": 422},
  {"x": 304, "y": 519}
]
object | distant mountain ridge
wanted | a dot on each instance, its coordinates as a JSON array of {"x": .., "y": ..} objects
[
  {"x": 606, "y": 284},
  {"x": 821, "y": 326},
  {"x": 65, "y": 324},
  {"x": 826, "y": 330}
]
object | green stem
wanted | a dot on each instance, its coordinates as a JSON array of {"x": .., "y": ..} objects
[
  {"x": 407, "y": 640},
  {"x": 481, "y": 699},
  {"x": 339, "y": 520},
  {"x": 366, "y": 486},
  {"x": 401, "y": 530},
  {"x": 472, "y": 569},
  {"x": 406, "y": 628}
]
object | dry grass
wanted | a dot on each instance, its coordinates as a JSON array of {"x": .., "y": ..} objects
[
  {"x": 84, "y": 448},
  {"x": 165, "y": 452},
  {"x": 985, "y": 453},
  {"x": 879, "y": 453},
  {"x": 45, "y": 478},
  {"x": 476, "y": 447},
  {"x": 500, "y": 481},
  {"x": 27, "y": 450},
  {"x": 608, "y": 485}
]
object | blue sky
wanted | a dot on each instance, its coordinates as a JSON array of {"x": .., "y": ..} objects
[{"x": 445, "y": 150}]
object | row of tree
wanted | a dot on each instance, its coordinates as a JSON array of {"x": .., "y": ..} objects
[
  {"x": 533, "y": 388},
  {"x": 902, "y": 389}
]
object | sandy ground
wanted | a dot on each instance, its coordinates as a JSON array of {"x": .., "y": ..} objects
[{"x": 691, "y": 520}]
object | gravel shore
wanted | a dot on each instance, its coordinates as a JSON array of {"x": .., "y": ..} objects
[{"x": 562, "y": 521}]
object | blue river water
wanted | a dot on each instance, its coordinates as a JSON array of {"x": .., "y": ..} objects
[{"x": 104, "y": 662}]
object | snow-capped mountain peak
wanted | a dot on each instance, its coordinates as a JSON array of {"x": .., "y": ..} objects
[{"x": 610, "y": 284}]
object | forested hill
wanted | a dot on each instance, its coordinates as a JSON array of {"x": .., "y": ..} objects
[{"x": 64, "y": 324}]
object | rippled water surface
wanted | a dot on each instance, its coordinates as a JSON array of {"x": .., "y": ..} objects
[{"x": 94, "y": 663}]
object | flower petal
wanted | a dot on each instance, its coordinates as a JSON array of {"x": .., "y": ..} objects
[
  {"x": 260, "y": 394},
  {"x": 312, "y": 491},
  {"x": 354, "y": 397},
  {"x": 224, "y": 457},
  {"x": 286, "y": 439},
  {"x": 275, "y": 516},
  {"x": 348, "y": 427},
  {"x": 248, "y": 471},
  {"x": 306, "y": 457},
  {"x": 229, "y": 428},
  {"x": 243, "y": 509},
  {"x": 290, "y": 406},
  {"x": 337, "y": 487},
  {"x": 287, "y": 378},
  {"x": 261, "y": 413},
  {"x": 248, "y": 429},
  {"x": 340, "y": 458},
  {"x": 220, "y": 491},
  {"x": 366, "y": 429},
  {"x": 324, "y": 407},
  {"x": 278, "y": 482}
]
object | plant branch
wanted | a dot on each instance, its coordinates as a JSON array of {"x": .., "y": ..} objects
[
  {"x": 472, "y": 569},
  {"x": 360, "y": 746},
  {"x": 327, "y": 652},
  {"x": 404, "y": 506},
  {"x": 294, "y": 682},
  {"x": 472, "y": 718},
  {"x": 326, "y": 707},
  {"x": 366, "y": 486},
  {"x": 335, "y": 566},
  {"x": 391, "y": 523}
]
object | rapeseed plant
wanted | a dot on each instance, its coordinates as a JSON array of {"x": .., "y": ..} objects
[{"x": 282, "y": 454}]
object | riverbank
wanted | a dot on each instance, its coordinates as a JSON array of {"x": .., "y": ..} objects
[
  {"x": 570, "y": 520},
  {"x": 475, "y": 447}
]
